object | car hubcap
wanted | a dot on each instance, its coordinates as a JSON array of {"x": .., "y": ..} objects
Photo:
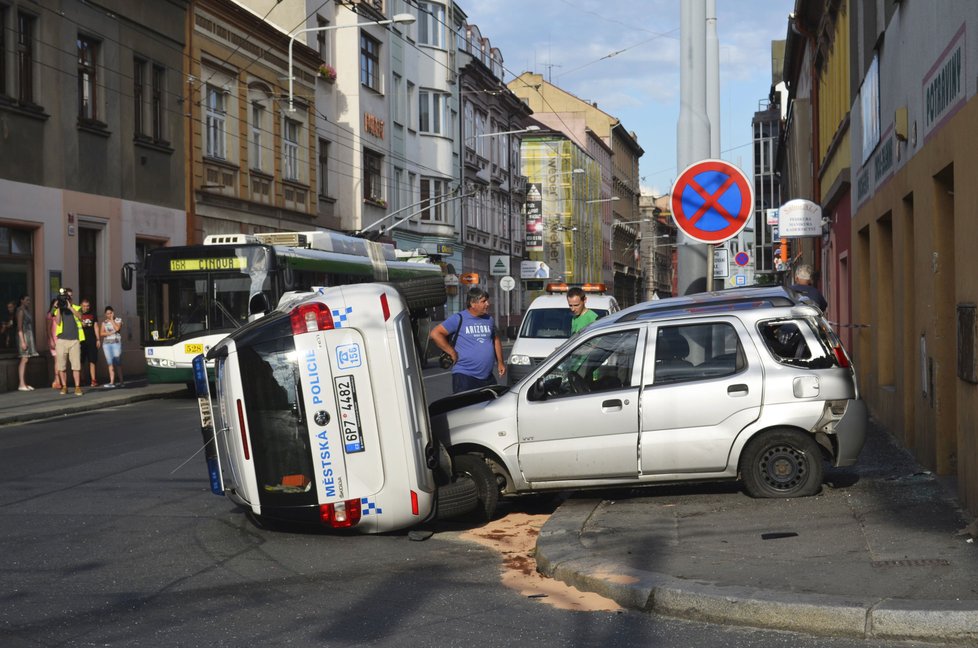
[{"x": 783, "y": 467}]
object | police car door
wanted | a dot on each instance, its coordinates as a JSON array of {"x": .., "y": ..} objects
[{"x": 579, "y": 420}]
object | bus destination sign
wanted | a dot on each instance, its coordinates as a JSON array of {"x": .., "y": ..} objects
[{"x": 197, "y": 265}]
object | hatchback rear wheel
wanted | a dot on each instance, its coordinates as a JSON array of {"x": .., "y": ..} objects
[{"x": 782, "y": 463}]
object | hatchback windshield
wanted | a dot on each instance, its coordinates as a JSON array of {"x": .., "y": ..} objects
[{"x": 550, "y": 322}]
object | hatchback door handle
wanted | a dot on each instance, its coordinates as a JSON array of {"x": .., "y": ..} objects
[
  {"x": 613, "y": 405},
  {"x": 739, "y": 389}
]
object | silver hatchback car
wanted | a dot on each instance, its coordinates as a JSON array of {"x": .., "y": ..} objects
[{"x": 749, "y": 383}]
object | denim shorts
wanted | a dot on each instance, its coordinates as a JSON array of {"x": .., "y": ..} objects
[{"x": 113, "y": 352}]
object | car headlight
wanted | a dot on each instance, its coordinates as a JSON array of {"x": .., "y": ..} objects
[{"x": 519, "y": 359}]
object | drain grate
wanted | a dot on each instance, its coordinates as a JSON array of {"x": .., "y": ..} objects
[{"x": 915, "y": 562}]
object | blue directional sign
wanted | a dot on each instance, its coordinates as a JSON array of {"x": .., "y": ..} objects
[{"x": 712, "y": 201}]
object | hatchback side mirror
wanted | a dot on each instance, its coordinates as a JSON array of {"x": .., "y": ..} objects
[{"x": 258, "y": 306}]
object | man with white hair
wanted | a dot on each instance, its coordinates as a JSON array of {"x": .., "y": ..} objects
[{"x": 803, "y": 285}]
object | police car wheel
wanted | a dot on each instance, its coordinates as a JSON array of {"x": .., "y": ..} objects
[{"x": 457, "y": 498}]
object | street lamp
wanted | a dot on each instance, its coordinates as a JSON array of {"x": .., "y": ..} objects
[
  {"x": 400, "y": 19},
  {"x": 601, "y": 200}
]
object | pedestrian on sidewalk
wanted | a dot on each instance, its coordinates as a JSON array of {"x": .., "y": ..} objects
[
  {"x": 93, "y": 341},
  {"x": 110, "y": 331},
  {"x": 804, "y": 284},
  {"x": 70, "y": 336},
  {"x": 476, "y": 344},
  {"x": 25, "y": 339},
  {"x": 52, "y": 321}
]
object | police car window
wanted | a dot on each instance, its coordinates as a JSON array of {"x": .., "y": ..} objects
[
  {"x": 601, "y": 363},
  {"x": 697, "y": 352}
]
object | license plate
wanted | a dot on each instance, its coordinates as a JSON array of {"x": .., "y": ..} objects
[
  {"x": 193, "y": 349},
  {"x": 346, "y": 398}
]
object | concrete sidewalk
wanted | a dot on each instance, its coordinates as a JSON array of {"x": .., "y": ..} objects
[
  {"x": 880, "y": 553},
  {"x": 44, "y": 402}
]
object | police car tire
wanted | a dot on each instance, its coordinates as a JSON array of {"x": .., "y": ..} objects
[
  {"x": 475, "y": 467},
  {"x": 457, "y": 498}
]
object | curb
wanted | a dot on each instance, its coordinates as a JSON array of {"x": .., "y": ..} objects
[
  {"x": 80, "y": 405},
  {"x": 561, "y": 555}
]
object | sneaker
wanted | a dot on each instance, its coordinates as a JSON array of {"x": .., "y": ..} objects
[
  {"x": 78, "y": 391},
  {"x": 108, "y": 386},
  {"x": 64, "y": 390},
  {"x": 25, "y": 388}
]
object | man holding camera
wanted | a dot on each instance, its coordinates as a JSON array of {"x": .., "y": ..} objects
[{"x": 70, "y": 335}]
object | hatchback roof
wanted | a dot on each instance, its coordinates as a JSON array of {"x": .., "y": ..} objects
[{"x": 750, "y": 297}]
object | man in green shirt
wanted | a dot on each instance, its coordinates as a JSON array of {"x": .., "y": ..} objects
[{"x": 581, "y": 315}]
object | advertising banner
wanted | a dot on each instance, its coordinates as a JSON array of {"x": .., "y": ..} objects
[{"x": 534, "y": 218}]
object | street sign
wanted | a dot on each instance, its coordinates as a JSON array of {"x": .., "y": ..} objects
[
  {"x": 534, "y": 270},
  {"x": 712, "y": 201},
  {"x": 507, "y": 283},
  {"x": 742, "y": 259},
  {"x": 740, "y": 280},
  {"x": 498, "y": 265},
  {"x": 800, "y": 218},
  {"x": 469, "y": 278},
  {"x": 721, "y": 263}
]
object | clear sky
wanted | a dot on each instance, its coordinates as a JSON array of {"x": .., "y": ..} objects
[{"x": 624, "y": 55}]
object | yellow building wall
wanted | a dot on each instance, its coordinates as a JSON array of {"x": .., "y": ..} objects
[
  {"x": 913, "y": 241},
  {"x": 834, "y": 96}
]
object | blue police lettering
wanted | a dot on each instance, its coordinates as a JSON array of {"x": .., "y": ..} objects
[
  {"x": 312, "y": 370},
  {"x": 325, "y": 465}
]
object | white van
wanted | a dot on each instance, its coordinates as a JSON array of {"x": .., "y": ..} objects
[
  {"x": 547, "y": 324},
  {"x": 320, "y": 416}
]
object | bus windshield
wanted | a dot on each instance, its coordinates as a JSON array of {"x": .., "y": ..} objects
[{"x": 194, "y": 291}]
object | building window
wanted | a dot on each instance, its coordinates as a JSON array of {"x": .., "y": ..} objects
[
  {"x": 88, "y": 79},
  {"x": 370, "y": 61},
  {"x": 323, "y": 167},
  {"x": 481, "y": 130},
  {"x": 397, "y": 109},
  {"x": 138, "y": 83},
  {"x": 411, "y": 105},
  {"x": 215, "y": 122},
  {"x": 433, "y": 113},
  {"x": 25, "y": 58},
  {"x": 431, "y": 24},
  {"x": 397, "y": 195},
  {"x": 255, "y": 145},
  {"x": 157, "y": 103},
  {"x": 433, "y": 193},
  {"x": 290, "y": 150},
  {"x": 322, "y": 39},
  {"x": 373, "y": 164},
  {"x": 468, "y": 115}
]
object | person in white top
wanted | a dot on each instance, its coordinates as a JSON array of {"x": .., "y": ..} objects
[{"x": 112, "y": 345}]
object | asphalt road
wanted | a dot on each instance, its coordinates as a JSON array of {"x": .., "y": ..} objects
[{"x": 109, "y": 539}]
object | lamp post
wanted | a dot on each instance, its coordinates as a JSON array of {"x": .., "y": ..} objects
[
  {"x": 400, "y": 19},
  {"x": 528, "y": 129},
  {"x": 442, "y": 199}
]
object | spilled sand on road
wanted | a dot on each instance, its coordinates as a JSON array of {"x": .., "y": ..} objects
[{"x": 515, "y": 537}]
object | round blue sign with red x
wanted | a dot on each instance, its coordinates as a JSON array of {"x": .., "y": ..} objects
[{"x": 712, "y": 201}]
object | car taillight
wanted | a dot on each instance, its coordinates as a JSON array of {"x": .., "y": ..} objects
[
  {"x": 841, "y": 357},
  {"x": 414, "y": 503},
  {"x": 244, "y": 433},
  {"x": 340, "y": 515},
  {"x": 311, "y": 317},
  {"x": 384, "y": 306}
]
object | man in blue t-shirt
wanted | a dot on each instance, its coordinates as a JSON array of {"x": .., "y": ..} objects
[{"x": 476, "y": 345}]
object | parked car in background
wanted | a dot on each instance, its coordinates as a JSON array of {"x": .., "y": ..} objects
[
  {"x": 547, "y": 323},
  {"x": 320, "y": 417},
  {"x": 747, "y": 383}
]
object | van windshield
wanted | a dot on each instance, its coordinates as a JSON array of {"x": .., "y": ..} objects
[
  {"x": 550, "y": 322},
  {"x": 276, "y": 422}
]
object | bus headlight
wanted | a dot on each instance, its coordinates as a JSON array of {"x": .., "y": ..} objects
[{"x": 517, "y": 359}]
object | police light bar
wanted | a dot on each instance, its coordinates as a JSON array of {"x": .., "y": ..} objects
[{"x": 594, "y": 288}]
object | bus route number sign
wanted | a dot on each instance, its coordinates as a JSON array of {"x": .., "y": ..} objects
[{"x": 197, "y": 265}]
